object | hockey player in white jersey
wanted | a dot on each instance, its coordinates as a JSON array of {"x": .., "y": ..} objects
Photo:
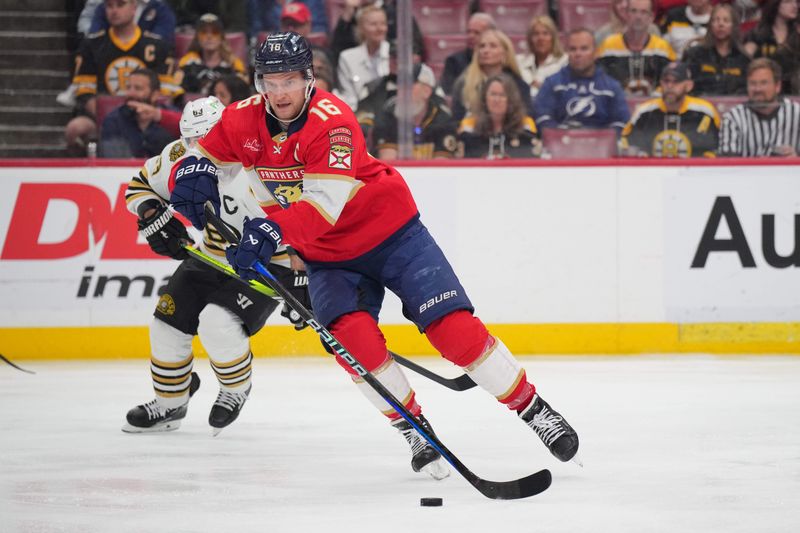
[{"x": 198, "y": 300}]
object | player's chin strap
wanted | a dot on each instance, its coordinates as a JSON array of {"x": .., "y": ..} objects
[
  {"x": 309, "y": 87},
  {"x": 497, "y": 490}
]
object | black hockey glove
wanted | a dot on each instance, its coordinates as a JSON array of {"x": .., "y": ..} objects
[
  {"x": 296, "y": 282},
  {"x": 165, "y": 234}
]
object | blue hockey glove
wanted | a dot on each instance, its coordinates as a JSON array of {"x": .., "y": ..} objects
[
  {"x": 195, "y": 183},
  {"x": 260, "y": 239}
]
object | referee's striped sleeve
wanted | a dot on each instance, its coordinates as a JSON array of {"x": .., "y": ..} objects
[{"x": 730, "y": 135}]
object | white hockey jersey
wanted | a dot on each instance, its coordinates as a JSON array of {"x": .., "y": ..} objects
[{"x": 236, "y": 197}]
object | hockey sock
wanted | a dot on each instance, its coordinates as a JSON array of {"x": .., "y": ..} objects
[
  {"x": 359, "y": 333},
  {"x": 228, "y": 347},
  {"x": 463, "y": 339},
  {"x": 170, "y": 364}
]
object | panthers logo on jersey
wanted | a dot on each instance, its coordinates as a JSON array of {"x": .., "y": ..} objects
[
  {"x": 118, "y": 71},
  {"x": 284, "y": 184}
]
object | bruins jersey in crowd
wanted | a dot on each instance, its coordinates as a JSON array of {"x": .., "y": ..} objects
[
  {"x": 691, "y": 132},
  {"x": 104, "y": 62},
  {"x": 523, "y": 144},
  {"x": 434, "y": 137},
  {"x": 715, "y": 74},
  {"x": 637, "y": 72}
]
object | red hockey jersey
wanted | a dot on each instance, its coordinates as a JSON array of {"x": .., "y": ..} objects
[{"x": 332, "y": 200}]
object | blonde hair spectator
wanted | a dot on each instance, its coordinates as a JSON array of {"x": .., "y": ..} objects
[{"x": 544, "y": 56}]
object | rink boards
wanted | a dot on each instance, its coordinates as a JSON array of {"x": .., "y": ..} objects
[{"x": 588, "y": 258}]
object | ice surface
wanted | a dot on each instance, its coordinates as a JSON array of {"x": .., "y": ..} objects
[{"x": 670, "y": 444}]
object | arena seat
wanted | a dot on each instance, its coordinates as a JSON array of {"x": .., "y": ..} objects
[
  {"x": 574, "y": 14},
  {"x": 438, "y": 47},
  {"x": 441, "y": 16},
  {"x": 513, "y": 16},
  {"x": 182, "y": 41},
  {"x": 105, "y": 104},
  {"x": 580, "y": 144}
]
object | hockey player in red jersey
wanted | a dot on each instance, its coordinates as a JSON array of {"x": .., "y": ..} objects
[{"x": 354, "y": 222}]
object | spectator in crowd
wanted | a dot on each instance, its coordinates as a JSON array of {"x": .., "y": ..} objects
[
  {"x": 109, "y": 57},
  {"x": 675, "y": 124},
  {"x": 267, "y": 15},
  {"x": 581, "y": 95},
  {"x": 231, "y": 88},
  {"x": 777, "y": 18},
  {"x": 457, "y": 62},
  {"x": 296, "y": 17},
  {"x": 618, "y": 22},
  {"x": 635, "y": 58},
  {"x": 134, "y": 129},
  {"x": 368, "y": 61},
  {"x": 323, "y": 69},
  {"x": 718, "y": 62},
  {"x": 346, "y": 33},
  {"x": 153, "y": 16},
  {"x": 788, "y": 57},
  {"x": 494, "y": 54},
  {"x": 767, "y": 124},
  {"x": 208, "y": 58},
  {"x": 232, "y": 12},
  {"x": 501, "y": 127},
  {"x": 684, "y": 24},
  {"x": 375, "y": 95},
  {"x": 544, "y": 57},
  {"x": 434, "y": 135}
]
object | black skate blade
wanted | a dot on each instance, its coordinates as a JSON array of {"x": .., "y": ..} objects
[{"x": 517, "y": 489}]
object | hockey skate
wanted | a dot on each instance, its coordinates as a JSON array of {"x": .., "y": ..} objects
[
  {"x": 424, "y": 458},
  {"x": 550, "y": 426},
  {"x": 226, "y": 409},
  {"x": 153, "y": 416}
]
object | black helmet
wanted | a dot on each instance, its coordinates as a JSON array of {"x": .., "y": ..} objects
[{"x": 283, "y": 52}]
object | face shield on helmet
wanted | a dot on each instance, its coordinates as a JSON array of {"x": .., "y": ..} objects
[{"x": 198, "y": 117}]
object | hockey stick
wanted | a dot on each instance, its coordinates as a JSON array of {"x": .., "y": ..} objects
[
  {"x": 4, "y": 358},
  {"x": 498, "y": 490},
  {"x": 461, "y": 383}
]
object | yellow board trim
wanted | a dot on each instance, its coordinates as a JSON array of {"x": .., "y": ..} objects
[{"x": 277, "y": 341}]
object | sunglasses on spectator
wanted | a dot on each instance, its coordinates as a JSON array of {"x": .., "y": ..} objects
[{"x": 209, "y": 31}]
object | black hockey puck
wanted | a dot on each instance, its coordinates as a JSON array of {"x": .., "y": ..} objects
[{"x": 430, "y": 502}]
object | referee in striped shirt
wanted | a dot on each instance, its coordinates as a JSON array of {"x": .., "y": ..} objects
[{"x": 767, "y": 124}]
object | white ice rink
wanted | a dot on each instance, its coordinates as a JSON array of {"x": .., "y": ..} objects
[{"x": 670, "y": 444}]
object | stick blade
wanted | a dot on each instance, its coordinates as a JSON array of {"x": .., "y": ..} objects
[{"x": 517, "y": 489}]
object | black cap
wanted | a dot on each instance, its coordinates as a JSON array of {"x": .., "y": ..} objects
[{"x": 679, "y": 71}]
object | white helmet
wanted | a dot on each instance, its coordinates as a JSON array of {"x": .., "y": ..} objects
[{"x": 199, "y": 116}]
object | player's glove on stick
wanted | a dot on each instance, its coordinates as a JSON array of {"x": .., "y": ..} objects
[
  {"x": 165, "y": 234},
  {"x": 297, "y": 283},
  {"x": 195, "y": 183},
  {"x": 260, "y": 239}
]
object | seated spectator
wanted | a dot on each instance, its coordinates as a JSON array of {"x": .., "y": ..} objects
[
  {"x": 209, "y": 57},
  {"x": 545, "y": 56},
  {"x": 618, "y": 22},
  {"x": 457, "y": 62},
  {"x": 267, "y": 15},
  {"x": 346, "y": 33},
  {"x": 231, "y": 88},
  {"x": 368, "y": 61},
  {"x": 758, "y": 128},
  {"x": 635, "y": 58},
  {"x": 323, "y": 69},
  {"x": 788, "y": 57},
  {"x": 684, "y": 24},
  {"x": 434, "y": 135},
  {"x": 675, "y": 124},
  {"x": 777, "y": 17},
  {"x": 500, "y": 128},
  {"x": 296, "y": 17},
  {"x": 233, "y": 13},
  {"x": 581, "y": 95},
  {"x": 494, "y": 55},
  {"x": 106, "y": 58},
  {"x": 134, "y": 129},
  {"x": 718, "y": 62},
  {"x": 153, "y": 16}
]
